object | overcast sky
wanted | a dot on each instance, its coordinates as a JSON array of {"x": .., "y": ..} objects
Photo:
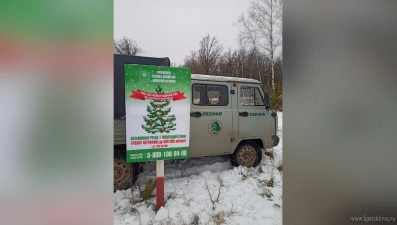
[{"x": 173, "y": 28}]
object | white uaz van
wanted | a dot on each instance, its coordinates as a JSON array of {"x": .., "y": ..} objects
[{"x": 231, "y": 115}]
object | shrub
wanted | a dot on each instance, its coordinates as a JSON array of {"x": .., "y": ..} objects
[{"x": 276, "y": 101}]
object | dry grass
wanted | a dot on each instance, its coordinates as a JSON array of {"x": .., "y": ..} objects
[
  {"x": 220, "y": 217},
  {"x": 270, "y": 183},
  {"x": 164, "y": 222},
  {"x": 260, "y": 170},
  {"x": 134, "y": 210},
  {"x": 270, "y": 153},
  {"x": 268, "y": 194},
  {"x": 194, "y": 220},
  {"x": 171, "y": 196},
  {"x": 250, "y": 172},
  {"x": 146, "y": 193},
  {"x": 187, "y": 201}
]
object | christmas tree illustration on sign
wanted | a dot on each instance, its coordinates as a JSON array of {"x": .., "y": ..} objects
[{"x": 158, "y": 119}]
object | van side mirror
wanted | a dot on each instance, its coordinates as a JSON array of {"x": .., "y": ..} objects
[{"x": 267, "y": 102}]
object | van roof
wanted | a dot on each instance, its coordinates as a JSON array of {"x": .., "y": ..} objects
[{"x": 223, "y": 78}]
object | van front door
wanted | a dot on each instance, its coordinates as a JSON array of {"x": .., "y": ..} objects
[
  {"x": 251, "y": 112},
  {"x": 210, "y": 119},
  {"x": 271, "y": 122}
]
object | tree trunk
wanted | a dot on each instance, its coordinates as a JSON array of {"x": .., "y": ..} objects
[
  {"x": 242, "y": 70},
  {"x": 273, "y": 75},
  {"x": 259, "y": 69}
]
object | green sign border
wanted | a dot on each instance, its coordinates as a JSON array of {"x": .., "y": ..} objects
[{"x": 182, "y": 82}]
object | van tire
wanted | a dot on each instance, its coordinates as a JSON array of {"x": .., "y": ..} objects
[
  {"x": 247, "y": 153},
  {"x": 124, "y": 174}
]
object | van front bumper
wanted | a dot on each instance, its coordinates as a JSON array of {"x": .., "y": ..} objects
[{"x": 276, "y": 140}]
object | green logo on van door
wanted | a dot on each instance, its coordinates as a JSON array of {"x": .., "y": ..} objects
[{"x": 215, "y": 127}]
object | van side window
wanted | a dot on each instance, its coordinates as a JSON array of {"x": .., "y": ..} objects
[
  {"x": 210, "y": 94},
  {"x": 251, "y": 96}
]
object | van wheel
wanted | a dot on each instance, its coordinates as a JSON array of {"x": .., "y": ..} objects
[
  {"x": 247, "y": 154},
  {"x": 124, "y": 174}
]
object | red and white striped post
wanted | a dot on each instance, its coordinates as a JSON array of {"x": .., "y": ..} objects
[{"x": 159, "y": 184}]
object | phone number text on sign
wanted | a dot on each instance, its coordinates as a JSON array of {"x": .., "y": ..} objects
[
  {"x": 158, "y": 154},
  {"x": 166, "y": 154}
]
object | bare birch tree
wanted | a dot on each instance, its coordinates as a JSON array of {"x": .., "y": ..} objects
[
  {"x": 191, "y": 61},
  {"x": 242, "y": 50},
  {"x": 126, "y": 46},
  {"x": 209, "y": 54},
  {"x": 261, "y": 28}
]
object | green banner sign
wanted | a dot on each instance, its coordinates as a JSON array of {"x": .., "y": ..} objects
[{"x": 157, "y": 101}]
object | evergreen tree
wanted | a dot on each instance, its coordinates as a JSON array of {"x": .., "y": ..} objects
[{"x": 157, "y": 119}]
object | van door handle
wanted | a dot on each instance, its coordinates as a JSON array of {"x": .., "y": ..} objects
[
  {"x": 243, "y": 114},
  {"x": 195, "y": 114}
]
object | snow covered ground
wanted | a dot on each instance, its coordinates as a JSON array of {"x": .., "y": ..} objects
[{"x": 246, "y": 195}]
